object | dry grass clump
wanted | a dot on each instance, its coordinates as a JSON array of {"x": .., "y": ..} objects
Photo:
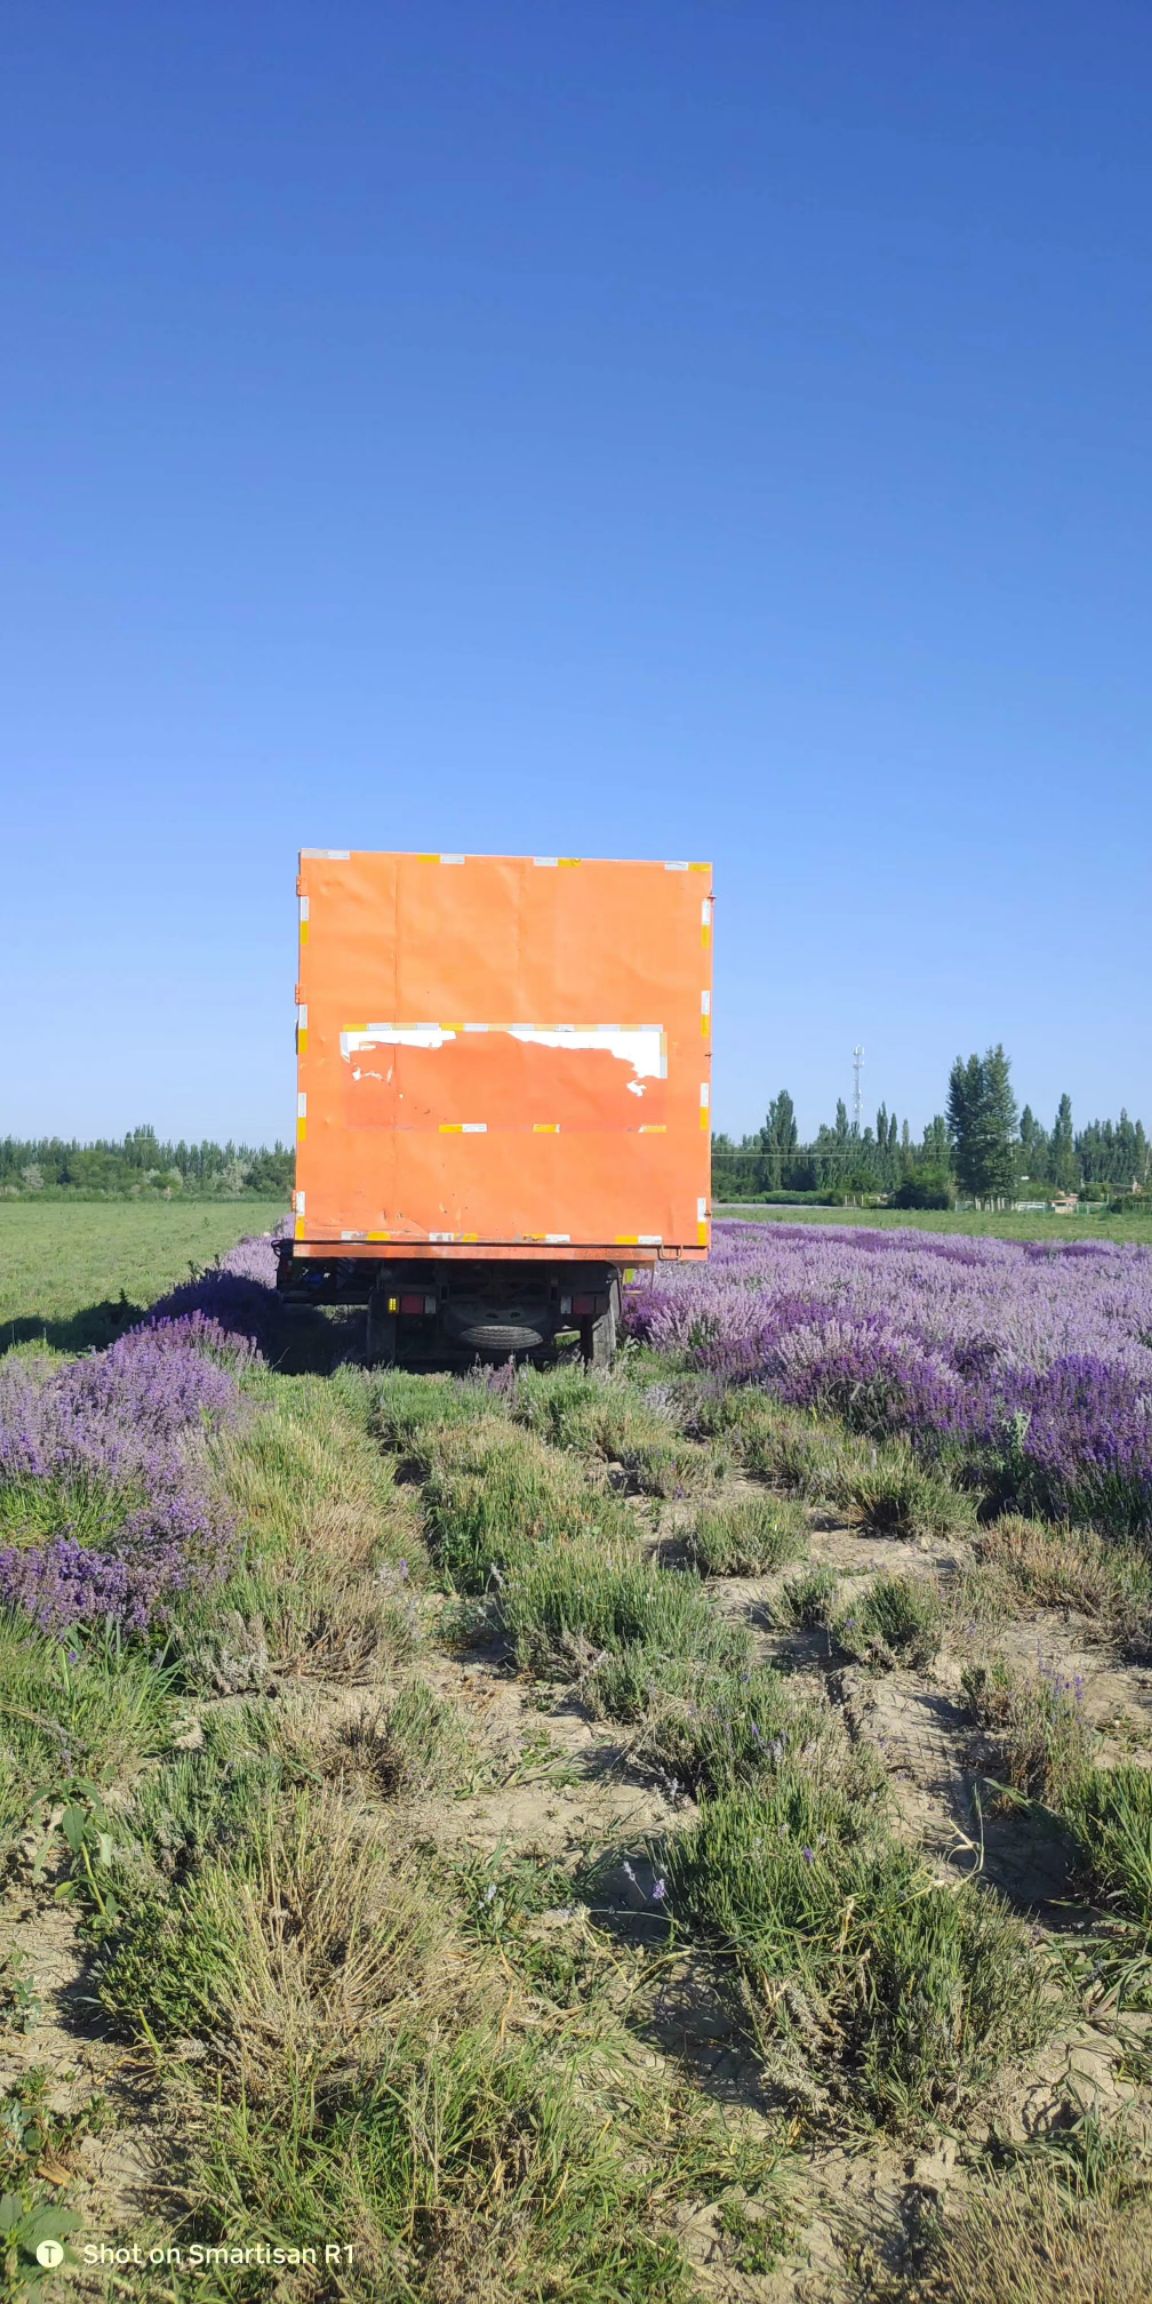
[
  {"x": 747, "y": 1536},
  {"x": 287, "y": 1936},
  {"x": 612, "y": 1421},
  {"x": 332, "y": 1548},
  {"x": 899, "y": 1621},
  {"x": 1038, "y": 1724},
  {"x": 870, "y": 1984},
  {"x": 567, "y": 1606},
  {"x": 1046, "y": 1746},
  {"x": 1049, "y": 1565},
  {"x": 495, "y": 1494},
  {"x": 897, "y": 1495},
  {"x": 419, "y": 1742},
  {"x": 370, "y": 2072},
  {"x": 1030, "y": 2240}
]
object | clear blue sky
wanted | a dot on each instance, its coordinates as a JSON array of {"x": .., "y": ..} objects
[{"x": 675, "y": 427}]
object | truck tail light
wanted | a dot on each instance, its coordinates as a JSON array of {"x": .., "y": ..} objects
[
  {"x": 583, "y": 1305},
  {"x": 416, "y": 1303}
]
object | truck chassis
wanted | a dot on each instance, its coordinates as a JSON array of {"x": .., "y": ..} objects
[{"x": 432, "y": 1313}]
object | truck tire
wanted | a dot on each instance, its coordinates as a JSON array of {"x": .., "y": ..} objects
[
  {"x": 598, "y": 1337},
  {"x": 380, "y": 1337}
]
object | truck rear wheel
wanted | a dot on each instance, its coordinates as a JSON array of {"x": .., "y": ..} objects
[
  {"x": 380, "y": 1339},
  {"x": 598, "y": 1337}
]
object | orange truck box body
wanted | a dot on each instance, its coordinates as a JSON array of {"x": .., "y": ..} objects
[{"x": 503, "y": 1056}]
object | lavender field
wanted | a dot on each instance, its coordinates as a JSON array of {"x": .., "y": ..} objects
[
  {"x": 761, "y": 1732},
  {"x": 1026, "y": 1368}
]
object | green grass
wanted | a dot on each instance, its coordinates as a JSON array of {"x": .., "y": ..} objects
[
  {"x": 562, "y": 1605},
  {"x": 73, "y": 1720},
  {"x": 60, "y": 1263},
  {"x": 332, "y": 1548},
  {"x": 900, "y": 1620},
  {"x": 495, "y": 1494},
  {"x": 969, "y": 1221},
  {"x": 747, "y": 1536},
  {"x": 370, "y": 2075},
  {"x": 871, "y": 1985},
  {"x": 712, "y": 1732},
  {"x": 612, "y": 1421},
  {"x": 1046, "y": 1749}
]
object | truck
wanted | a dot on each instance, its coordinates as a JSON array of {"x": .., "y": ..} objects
[{"x": 503, "y": 1095}]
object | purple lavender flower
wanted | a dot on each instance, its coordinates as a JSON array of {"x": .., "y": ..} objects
[
  {"x": 112, "y": 1447},
  {"x": 1032, "y": 1365}
]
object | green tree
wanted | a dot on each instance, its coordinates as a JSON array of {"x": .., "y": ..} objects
[
  {"x": 982, "y": 1125},
  {"x": 779, "y": 1136},
  {"x": 1064, "y": 1167}
]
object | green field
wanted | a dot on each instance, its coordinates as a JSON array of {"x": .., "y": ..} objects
[
  {"x": 1040, "y": 1226},
  {"x": 595, "y": 1821},
  {"x": 60, "y": 1262}
]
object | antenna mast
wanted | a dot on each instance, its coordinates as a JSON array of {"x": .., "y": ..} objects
[{"x": 857, "y": 1100}]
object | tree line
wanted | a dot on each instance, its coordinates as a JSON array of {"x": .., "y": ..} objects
[
  {"x": 141, "y": 1164},
  {"x": 981, "y": 1145}
]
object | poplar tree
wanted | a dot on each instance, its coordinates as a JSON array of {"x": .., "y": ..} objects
[{"x": 982, "y": 1125}]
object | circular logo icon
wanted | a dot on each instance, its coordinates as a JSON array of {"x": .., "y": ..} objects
[{"x": 49, "y": 2253}]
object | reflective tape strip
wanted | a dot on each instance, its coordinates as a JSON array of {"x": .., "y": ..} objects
[
  {"x": 706, "y": 921},
  {"x": 569, "y": 859},
  {"x": 301, "y": 1105},
  {"x": 652, "y": 1128},
  {"x": 627, "y": 1240},
  {"x": 702, "y": 1235},
  {"x": 304, "y": 913},
  {"x": 705, "y": 1100},
  {"x": 649, "y": 1239},
  {"x": 441, "y": 1235},
  {"x": 545, "y": 1127},
  {"x": 328, "y": 855},
  {"x": 701, "y": 1210},
  {"x": 675, "y": 867},
  {"x": 299, "y": 1199},
  {"x": 475, "y": 1128},
  {"x": 451, "y": 1128},
  {"x": 453, "y": 859},
  {"x": 356, "y": 1235},
  {"x": 299, "y": 1227},
  {"x": 378, "y": 1235},
  {"x": 705, "y": 1012},
  {"x": 546, "y": 863},
  {"x": 557, "y": 1239},
  {"x": 699, "y": 867}
]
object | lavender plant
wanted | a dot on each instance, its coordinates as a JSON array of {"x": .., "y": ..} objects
[
  {"x": 106, "y": 1496},
  {"x": 1026, "y": 1368}
]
